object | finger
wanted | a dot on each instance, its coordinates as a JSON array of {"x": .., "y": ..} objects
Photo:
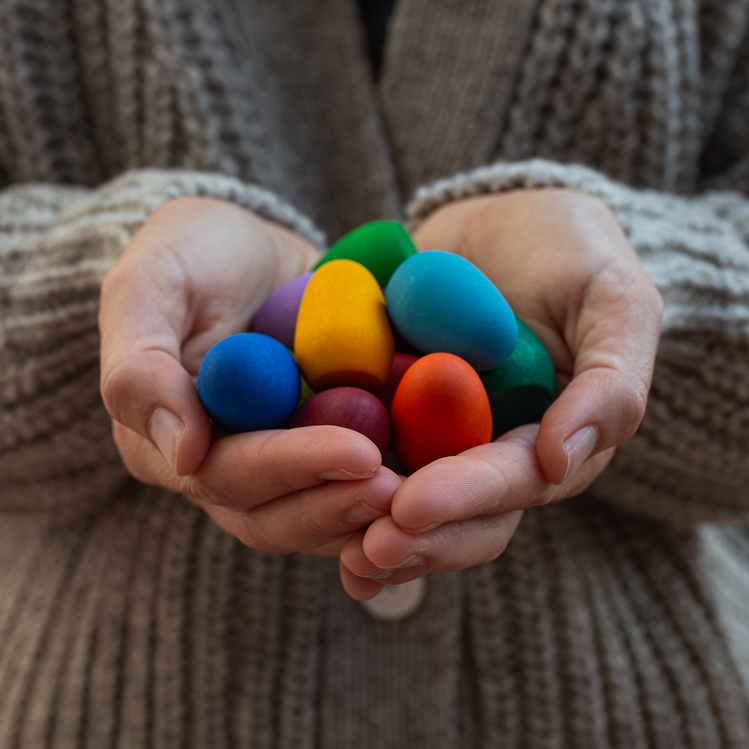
[
  {"x": 390, "y": 554},
  {"x": 491, "y": 479},
  {"x": 311, "y": 518},
  {"x": 371, "y": 586},
  {"x": 329, "y": 549},
  {"x": 143, "y": 383},
  {"x": 359, "y": 588},
  {"x": 614, "y": 343},
  {"x": 242, "y": 471}
]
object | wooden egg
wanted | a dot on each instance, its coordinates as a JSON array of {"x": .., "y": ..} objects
[
  {"x": 440, "y": 408},
  {"x": 347, "y": 407},
  {"x": 402, "y": 346},
  {"x": 386, "y": 392},
  {"x": 343, "y": 334},
  {"x": 440, "y": 301},
  {"x": 380, "y": 247},
  {"x": 248, "y": 382},
  {"x": 305, "y": 391},
  {"x": 523, "y": 387},
  {"x": 278, "y": 313}
]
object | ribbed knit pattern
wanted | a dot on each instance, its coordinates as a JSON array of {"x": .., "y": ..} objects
[
  {"x": 621, "y": 86},
  {"x": 128, "y": 620},
  {"x": 145, "y": 625}
]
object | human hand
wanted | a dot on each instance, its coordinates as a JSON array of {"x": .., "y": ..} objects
[
  {"x": 195, "y": 273},
  {"x": 565, "y": 266}
]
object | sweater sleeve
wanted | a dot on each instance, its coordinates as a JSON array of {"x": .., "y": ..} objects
[
  {"x": 689, "y": 460},
  {"x": 56, "y": 245}
]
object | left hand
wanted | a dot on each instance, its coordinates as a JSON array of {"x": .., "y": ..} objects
[{"x": 563, "y": 263}]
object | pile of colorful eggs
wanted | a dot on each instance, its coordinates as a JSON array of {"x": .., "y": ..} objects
[{"x": 420, "y": 347}]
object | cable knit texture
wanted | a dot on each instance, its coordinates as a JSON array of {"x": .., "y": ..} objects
[{"x": 128, "y": 619}]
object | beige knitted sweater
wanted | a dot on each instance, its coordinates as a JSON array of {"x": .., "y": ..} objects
[{"x": 127, "y": 619}]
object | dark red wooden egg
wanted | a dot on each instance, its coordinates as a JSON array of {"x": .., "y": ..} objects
[{"x": 347, "y": 407}]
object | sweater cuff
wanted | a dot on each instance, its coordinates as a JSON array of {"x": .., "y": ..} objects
[
  {"x": 56, "y": 245},
  {"x": 505, "y": 176},
  {"x": 687, "y": 463},
  {"x": 142, "y": 191}
]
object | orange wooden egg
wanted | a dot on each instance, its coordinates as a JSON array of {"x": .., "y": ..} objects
[
  {"x": 343, "y": 335},
  {"x": 440, "y": 408}
]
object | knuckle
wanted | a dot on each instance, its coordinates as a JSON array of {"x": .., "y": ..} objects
[
  {"x": 633, "y": 409},
  {"x": 140, "y": 458},
  {"x": 244, "y": 531},
  {"x": 656, "y": 300},
  {"x": 202, "y": 491},
  {"x": 648, "y": 296},
  {"x": 248, "y": 533},
  {"x": 133, "y": 462},
  {"x": 111, "y": 281},
  {"x": 500, "y": 539},
  {"x": 115, "y": 385}
]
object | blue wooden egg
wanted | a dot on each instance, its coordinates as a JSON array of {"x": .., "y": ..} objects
[
  {"x": 441, "y": 302},
  {"x": 249, "y": 382}
]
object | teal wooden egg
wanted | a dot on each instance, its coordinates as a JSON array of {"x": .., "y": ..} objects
[
  {"x": 441, "y": 302},
  {"x": 523, "y": 387}
]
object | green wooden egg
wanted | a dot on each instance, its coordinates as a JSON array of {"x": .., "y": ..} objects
[
  {"x": 523, "y": 387},
  {"x": 305, "y": 391},
  {"x": 380, "y": 246}
]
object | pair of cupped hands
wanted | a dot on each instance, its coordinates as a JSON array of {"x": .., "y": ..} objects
[{"x": 198, "y": 270}]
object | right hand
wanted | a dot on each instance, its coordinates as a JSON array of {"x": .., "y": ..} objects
[{"x": 196, "y": 272}]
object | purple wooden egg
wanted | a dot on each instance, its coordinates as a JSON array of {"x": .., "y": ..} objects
[
  {"x": 347, "y": 407},
  {"x": 278, "y": 313}
]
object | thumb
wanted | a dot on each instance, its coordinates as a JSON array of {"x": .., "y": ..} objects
[
  {"x": 614, "y": 342},
  {"x": 143, "y": 383}
]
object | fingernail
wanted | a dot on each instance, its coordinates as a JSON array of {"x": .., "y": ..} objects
[
  {"x": 415, "y": 560},
  {"x": 427, "y": 528},
  {"x": 341, "y": 474},
  {"x": 380, "y": 574},
  {"x": 363, "y": 513},
  {"x": 579, "y": 447},
  {"x": 166, "y": 429}
]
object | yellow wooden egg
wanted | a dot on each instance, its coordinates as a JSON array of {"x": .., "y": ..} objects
[{"x": 343, "y": 334}]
